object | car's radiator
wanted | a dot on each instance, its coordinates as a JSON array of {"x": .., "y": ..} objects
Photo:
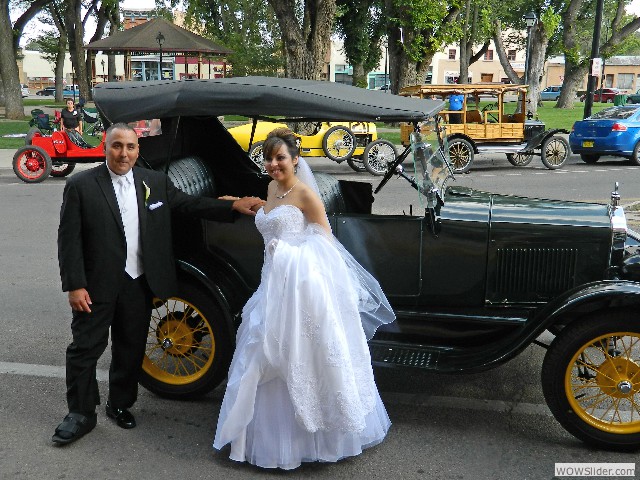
[{"x": 533, "y": 274}]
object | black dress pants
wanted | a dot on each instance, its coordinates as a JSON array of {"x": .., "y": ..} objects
[{"x": 128, "y": 316}]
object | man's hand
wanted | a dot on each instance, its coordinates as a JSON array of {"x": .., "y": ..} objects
[
  {"x": 79, "y": 300},
  {"x": 248, "y": 205}
]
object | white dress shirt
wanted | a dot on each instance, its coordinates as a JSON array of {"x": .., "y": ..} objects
[{"x": 125, "y": 190}]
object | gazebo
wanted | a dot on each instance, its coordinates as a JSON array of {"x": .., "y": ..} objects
[{"x": 163, "y": 37}]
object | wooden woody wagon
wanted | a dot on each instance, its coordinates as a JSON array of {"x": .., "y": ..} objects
[{"x": 493, "y": 119}]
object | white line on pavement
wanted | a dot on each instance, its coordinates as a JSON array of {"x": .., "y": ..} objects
[
  {"x": 423, "y": 400},
  {"x": 49, "y": 371}
]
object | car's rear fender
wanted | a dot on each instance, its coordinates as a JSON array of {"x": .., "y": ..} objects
[
  {"x": 224, "y": 291},
  {"x": 586, "y": 299}
]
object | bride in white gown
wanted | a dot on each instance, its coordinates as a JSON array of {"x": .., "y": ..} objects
[{"x": 301, "y": 385}]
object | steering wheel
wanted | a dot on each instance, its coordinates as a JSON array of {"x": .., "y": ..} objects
[
  {"x": 490, "y": 106},
  {"x": 391, "y": 169}
]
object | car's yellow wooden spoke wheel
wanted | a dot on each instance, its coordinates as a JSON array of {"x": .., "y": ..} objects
[
  {"x": 602, "y": 383},
  {"x": 180, "y": 345}
]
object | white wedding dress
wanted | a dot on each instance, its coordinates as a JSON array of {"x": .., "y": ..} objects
[{"x": 301, "y": 385}]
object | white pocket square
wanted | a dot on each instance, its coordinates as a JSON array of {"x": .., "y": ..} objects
[{"x": 153, "y": 206}]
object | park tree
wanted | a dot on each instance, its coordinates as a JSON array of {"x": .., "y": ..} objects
[
  {"x": 416, "y": 30},
  {"x": 104, "y": 13},
  {"x": 76, "y": 13},
  {"x": 512, "y": 31},
  {"x": 476, "y": 30},
  {"x": 52, "y": 42},
  {"x": 10, "y": 35},
  {"x": 247, "y": 27},
  {"x": 577, "y": 32},
  {"x": 305, "y": 30},
  {"x": 361, "y": 24}
]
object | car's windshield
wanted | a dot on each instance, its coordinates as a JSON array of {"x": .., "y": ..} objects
[
  {"x": 615, "y": 113},
  {"x": 430, "y": 163}
]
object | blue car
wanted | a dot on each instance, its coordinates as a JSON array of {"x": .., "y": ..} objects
[
  {"x": 551, "y": 93},
  {"x": 613, "y": 131}
]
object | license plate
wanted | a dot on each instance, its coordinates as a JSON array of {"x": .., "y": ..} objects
[{"x": 587, "y": 144}]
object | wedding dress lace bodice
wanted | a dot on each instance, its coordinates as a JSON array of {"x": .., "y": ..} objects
[{"x": 279, "y": 221}]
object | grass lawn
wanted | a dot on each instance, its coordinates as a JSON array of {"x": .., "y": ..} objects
[{"x": 9, "y": 127}]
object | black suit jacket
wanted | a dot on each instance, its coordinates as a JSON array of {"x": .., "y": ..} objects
[{"x": 91, "y": 240}]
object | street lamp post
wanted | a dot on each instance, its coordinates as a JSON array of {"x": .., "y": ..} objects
[
  {"x": 102, "y": 63},
  {"x": 530, "y": 19},
  {"x": 386, "y": 64},
  {"x": 160, "y": 40}
]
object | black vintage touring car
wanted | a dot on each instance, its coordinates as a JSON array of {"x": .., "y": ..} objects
[{"x": 474, "y": 277}]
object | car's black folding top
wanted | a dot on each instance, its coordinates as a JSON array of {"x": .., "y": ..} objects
[{"x": 256, "y": 97}]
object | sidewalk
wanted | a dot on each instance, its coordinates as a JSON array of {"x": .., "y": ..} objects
[{"x": 6, "y": 158}]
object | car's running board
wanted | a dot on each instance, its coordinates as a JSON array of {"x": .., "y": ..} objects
[
  {"x": 402, "y": 355},
  {"x": 501, "y": 148}
]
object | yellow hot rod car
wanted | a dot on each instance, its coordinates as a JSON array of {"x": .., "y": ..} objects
[{"x": 338, "y": 141}]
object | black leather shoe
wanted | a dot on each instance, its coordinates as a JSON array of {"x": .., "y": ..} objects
[
  {"x": 122, "y": 416},
  {"x": 74, "y": 426}
]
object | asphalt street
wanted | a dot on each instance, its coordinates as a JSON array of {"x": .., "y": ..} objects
[{"x": 494, "y": 425}]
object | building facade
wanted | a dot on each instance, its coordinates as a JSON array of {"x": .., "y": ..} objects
[
  {"x": 444, "y": 68},
  {"x": 621, "y": 72}
]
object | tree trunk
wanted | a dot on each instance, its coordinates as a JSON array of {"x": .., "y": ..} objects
[
  {"x": 359, "y": 76},
  {"x": 402, "y": 71},
  {"x": 537, "y": 56},
  {"x": 58, "y": 21},
  {"x": 466, "y": 42},
  {"x": 574, "y": 69},
  {"x": 305, "y": 47},
  {"x": 14, "y": 107},
  {"x": 502, "y": 55},
  {"x": 75, "y": 29},
  {"x": 114, "y": 19}
]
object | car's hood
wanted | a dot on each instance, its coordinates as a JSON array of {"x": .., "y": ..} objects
[
  {"x": 256, "y": 97},
  {"x": 512, "y": 209}
]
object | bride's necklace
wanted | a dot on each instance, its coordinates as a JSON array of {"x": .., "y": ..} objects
[{"x": 288, "y": 191}]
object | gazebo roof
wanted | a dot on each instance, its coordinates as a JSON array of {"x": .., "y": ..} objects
[{"x": 142, "y": 39}]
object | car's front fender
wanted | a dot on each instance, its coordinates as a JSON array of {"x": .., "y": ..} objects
[{"x": 589, "y": 298}]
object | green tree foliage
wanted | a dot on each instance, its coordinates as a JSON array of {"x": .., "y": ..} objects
[
  {"x": 361, "y": 24},
  {"x": 247, "y": 27},
  {"x": 417, "y": 29}
]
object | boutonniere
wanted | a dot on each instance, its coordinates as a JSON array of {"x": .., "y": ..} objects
[{"x": 147, "y": 193}]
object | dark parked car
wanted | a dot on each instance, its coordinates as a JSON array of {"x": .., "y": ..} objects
[
  {"x": 47, "y": 92},
  {"x": 634, "y": 97},
  {"x": 474, "y": 278},
  {"x": 604, "y": 95},
  {"x": 612, "y": 131}
]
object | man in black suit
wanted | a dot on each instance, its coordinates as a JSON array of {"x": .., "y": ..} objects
[{"x": 115, "y": 255}]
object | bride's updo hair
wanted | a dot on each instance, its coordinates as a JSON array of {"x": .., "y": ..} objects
[{"x": 277, "y": 138}]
